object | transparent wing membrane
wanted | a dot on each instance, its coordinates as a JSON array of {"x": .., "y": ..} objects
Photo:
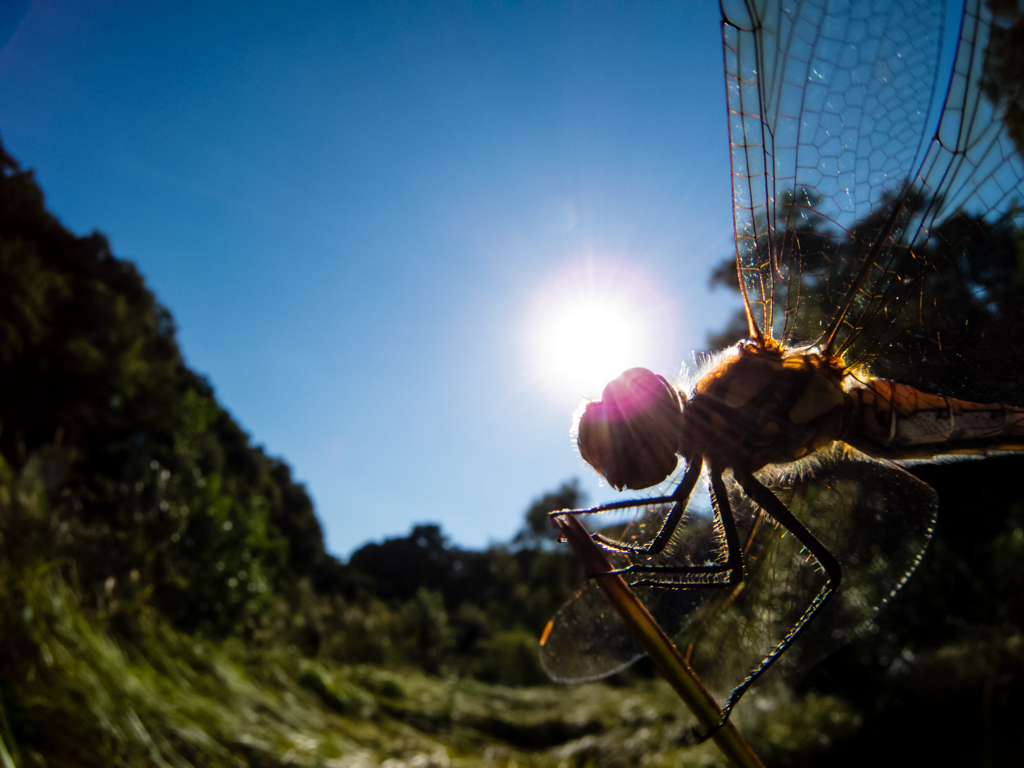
[
  {"x": 877, "y": 190},
  {"x": 875, "y": 518}
]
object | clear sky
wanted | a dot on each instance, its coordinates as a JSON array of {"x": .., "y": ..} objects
[{"x": 367, "y": 217}]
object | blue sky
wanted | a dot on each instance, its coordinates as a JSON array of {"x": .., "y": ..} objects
[{"x": 360, "y": 215}]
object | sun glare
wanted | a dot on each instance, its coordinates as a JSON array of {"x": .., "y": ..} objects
[
  {"x": 592, "y": 321},
  {"x": 590, "y": 341}
]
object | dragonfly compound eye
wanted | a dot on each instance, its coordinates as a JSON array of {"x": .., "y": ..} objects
[{"x": 631, "y": 435}]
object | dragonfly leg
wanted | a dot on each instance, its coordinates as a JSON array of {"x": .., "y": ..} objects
[
  {"x": 703, "y": 575},
  {"x": 678, "y": 494},
  {"x": 769, "y": 503},
  {"x": 679, "y": 498}
]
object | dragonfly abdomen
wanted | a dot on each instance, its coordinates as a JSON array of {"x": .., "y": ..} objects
[{"x": 898, "y": 422}]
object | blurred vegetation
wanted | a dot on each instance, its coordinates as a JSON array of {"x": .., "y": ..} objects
[{"x": 88, "y": 680}]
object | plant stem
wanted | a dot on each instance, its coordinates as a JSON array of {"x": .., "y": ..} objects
[{"x": 656, "y": 643}]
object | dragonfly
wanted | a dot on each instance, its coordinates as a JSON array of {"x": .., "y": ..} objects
[{"x": 878, "y": 196}]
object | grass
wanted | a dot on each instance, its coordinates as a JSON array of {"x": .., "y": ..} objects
[
  {"x": 85, "y": 686},
  {"x": 73, "y": 696}
]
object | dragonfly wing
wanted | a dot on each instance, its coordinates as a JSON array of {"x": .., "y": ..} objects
[
  {"x": 587, "y": 640},
  {"x": 828, "y": 105},
  {"x": 940, "y": 310},
  {"x": 878, "y": 185},
  {"x": 875, "y": 518}
]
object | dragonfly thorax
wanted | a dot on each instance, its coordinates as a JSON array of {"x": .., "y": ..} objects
[
  {"x": 761, "y": 406},
  {"x": 756, "y": 406}
]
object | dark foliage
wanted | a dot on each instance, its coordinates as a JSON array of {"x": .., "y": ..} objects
[
  {"x": 947, "y": 658},
  {"x": 163, "y": 493},
  {"x": 1004, "y": 65},
  {"x": 537, "y": 529},
  {"x": 492, "y": 605}
]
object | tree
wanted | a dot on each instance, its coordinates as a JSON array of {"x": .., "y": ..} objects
[
  {"x": 163, "y": 493},
  {"x": 537, "y": 530}
]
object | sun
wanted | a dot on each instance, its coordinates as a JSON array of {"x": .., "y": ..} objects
[
  {"x": 590, "y": 340},
  {"x": 591, "y": 321}
]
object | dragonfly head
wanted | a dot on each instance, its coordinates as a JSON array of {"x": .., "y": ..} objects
[{"x": 631, "y": 435}]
